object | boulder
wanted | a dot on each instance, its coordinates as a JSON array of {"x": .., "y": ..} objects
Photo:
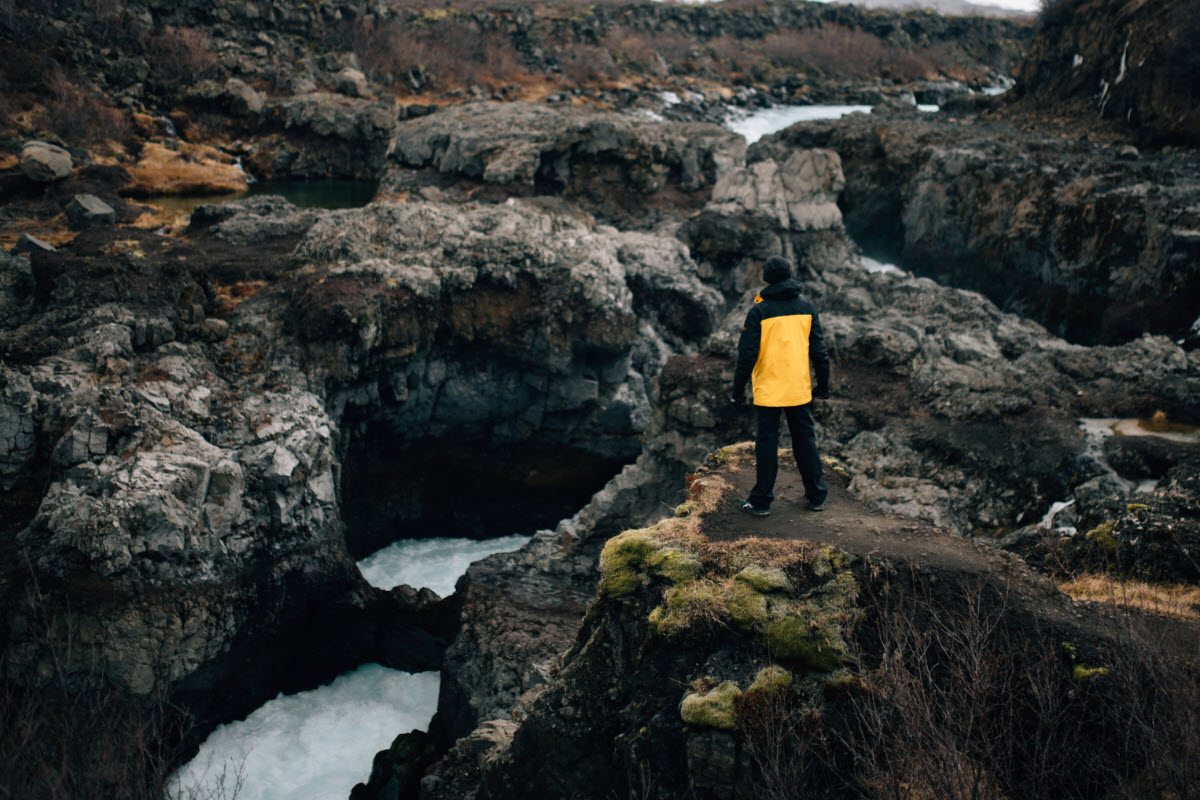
[
  {"x": 87, "y": 210},
  {"x": 28, "y": 243},
  {"x": 241, "y": 99},
  {"x": 45, "y": 162},
  {"x": 351, "y": 82}
]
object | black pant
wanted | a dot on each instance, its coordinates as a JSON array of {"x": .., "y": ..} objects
[{"x": 804, "y": 448}]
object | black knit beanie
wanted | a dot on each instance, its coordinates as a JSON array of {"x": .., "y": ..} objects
[{"x": 776, "y": 269}]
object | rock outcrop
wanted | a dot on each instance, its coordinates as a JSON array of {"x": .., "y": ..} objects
[
  {"x": 709, "y": 632},
  {"x": 1129, "y": 62},
  {"x": 1095, "y": 245},
  {"x": 623, "y": 169}
]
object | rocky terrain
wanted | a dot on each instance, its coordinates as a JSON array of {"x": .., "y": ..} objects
[{"x": 204, "y": 421}]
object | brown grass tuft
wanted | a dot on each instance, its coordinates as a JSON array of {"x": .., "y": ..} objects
[{"x": 1172, "y": 600}]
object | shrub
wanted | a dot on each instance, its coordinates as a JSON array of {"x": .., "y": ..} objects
[
  {"x": 181, "y": 55},
  {"x": 974, "y": 701},
  {"x": 79, "y": 118}
]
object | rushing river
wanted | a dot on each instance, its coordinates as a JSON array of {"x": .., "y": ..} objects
[
  {"x": 758, "y": 124},
  {"x": 317, "y": 744}
]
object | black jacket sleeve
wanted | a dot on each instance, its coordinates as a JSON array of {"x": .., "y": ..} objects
[
  {"x": 747, "y": 353},
  {"x": 819, "y": 357}
]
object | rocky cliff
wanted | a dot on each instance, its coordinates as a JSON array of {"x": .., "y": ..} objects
[
  {"x": 1096, "y": 241},
  {"x": 1131, "y": 64},
  {"x": 729, "y": 658}
]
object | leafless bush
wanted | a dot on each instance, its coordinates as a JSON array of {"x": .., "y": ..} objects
[
  {"x": 182, "y": 55},
  {"x": 976, "y": 702},
  {"x": 80, "y": 118},
  {"x": 787, "y": 743},
  {"x": 76, "y": 736}
]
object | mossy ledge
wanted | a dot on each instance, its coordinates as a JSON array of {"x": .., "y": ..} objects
[{"x": 795, "y": 600}]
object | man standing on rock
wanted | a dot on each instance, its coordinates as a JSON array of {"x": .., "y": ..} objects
[{"x": 781, "y": 336}]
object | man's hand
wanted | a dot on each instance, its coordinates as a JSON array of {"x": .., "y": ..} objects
[
  {"x": 821, "y": 393},
  {"x": 736, "y": 402}
]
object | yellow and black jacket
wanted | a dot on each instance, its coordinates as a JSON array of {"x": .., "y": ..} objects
[{"x": 781, "y": 336}]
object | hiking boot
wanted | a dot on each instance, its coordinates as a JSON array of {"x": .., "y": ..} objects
[
  {"x": 816, "y": 506},
  {"x": 750, "y": 508}
]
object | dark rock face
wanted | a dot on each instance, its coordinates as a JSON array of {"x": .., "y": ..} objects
[
  {"x": 1095, "y": 246},
  {"x": 1133, "y": 63},
  {"x": 621, "y": 168},
  {"x": 182, "y": 423}
]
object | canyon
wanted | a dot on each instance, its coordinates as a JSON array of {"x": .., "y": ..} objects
[{"x": 205, "y": 421}]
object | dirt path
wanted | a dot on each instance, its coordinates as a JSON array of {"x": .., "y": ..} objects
[{"x": 928, "y": 554}]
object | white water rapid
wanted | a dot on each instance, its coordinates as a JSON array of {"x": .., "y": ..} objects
[{"x": 318, "y": 744}]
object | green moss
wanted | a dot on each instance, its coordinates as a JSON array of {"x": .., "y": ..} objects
[
  {"x": 764, "y": 579},
  {"x": 717, "y": 459},
  {"x": 813, "y": 639},
  {"x": 772, "y": 679},
  {"x": 1132, "y": 507},
  {"x": 1082, "y": 674},
  {"x": 686, "y": 603},
  {"x": 747, "y": 607},
  {"x": 677, "y": 566},
  {"x": 829, "y": 561},
  {"x": 685, "y": 509},
  {"x": 835, "y": 466},
  {"x": 621, "y": 563},
  {"x": 1102, "y": 538},
  {"x": 713, "y": 709},
  {"x": 1068, "y": 649}
]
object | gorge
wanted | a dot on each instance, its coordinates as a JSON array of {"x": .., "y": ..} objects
[{"x": 206, "y": 421}]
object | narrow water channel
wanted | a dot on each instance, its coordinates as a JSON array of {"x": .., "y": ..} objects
[{"x": 318, "y": 744}]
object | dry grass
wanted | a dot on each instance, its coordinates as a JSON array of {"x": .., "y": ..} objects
[
  {"x": 1172, "y": 600},
  {"x": 190, "y": 169}
]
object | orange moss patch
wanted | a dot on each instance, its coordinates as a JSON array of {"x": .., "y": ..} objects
[
  {"x": 229, "y": 296},
  {"x": 1172, "y": 600},
  {"x": 192, "y": 169}
]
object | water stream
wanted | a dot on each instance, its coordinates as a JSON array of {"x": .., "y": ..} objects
[{"x": 318, "y": 744}]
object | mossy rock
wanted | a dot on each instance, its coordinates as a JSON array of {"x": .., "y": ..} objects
[
  {"x": 1101, "y": 537},
  {"x": 814, "y": 640},
  {"x": 842, "y": 683},
  {"x": 677, "y": 566},
  {"x": 1083, "y": 674},
  {"x": 712, "y": 709},
  {"x": 683, "y": 605},
  {"x": 747, "y": 607},
  {"x": 621, "y": 563},
  {"x": 764, "y": 579},
  {"x": 772, "y": 679}
]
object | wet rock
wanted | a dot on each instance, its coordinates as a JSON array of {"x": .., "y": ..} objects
[
  {"x": 87, "y": 210},
  {"x": 44, "y": 162}
]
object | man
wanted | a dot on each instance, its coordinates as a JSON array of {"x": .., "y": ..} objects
[{"x": 781, "y": 336}]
